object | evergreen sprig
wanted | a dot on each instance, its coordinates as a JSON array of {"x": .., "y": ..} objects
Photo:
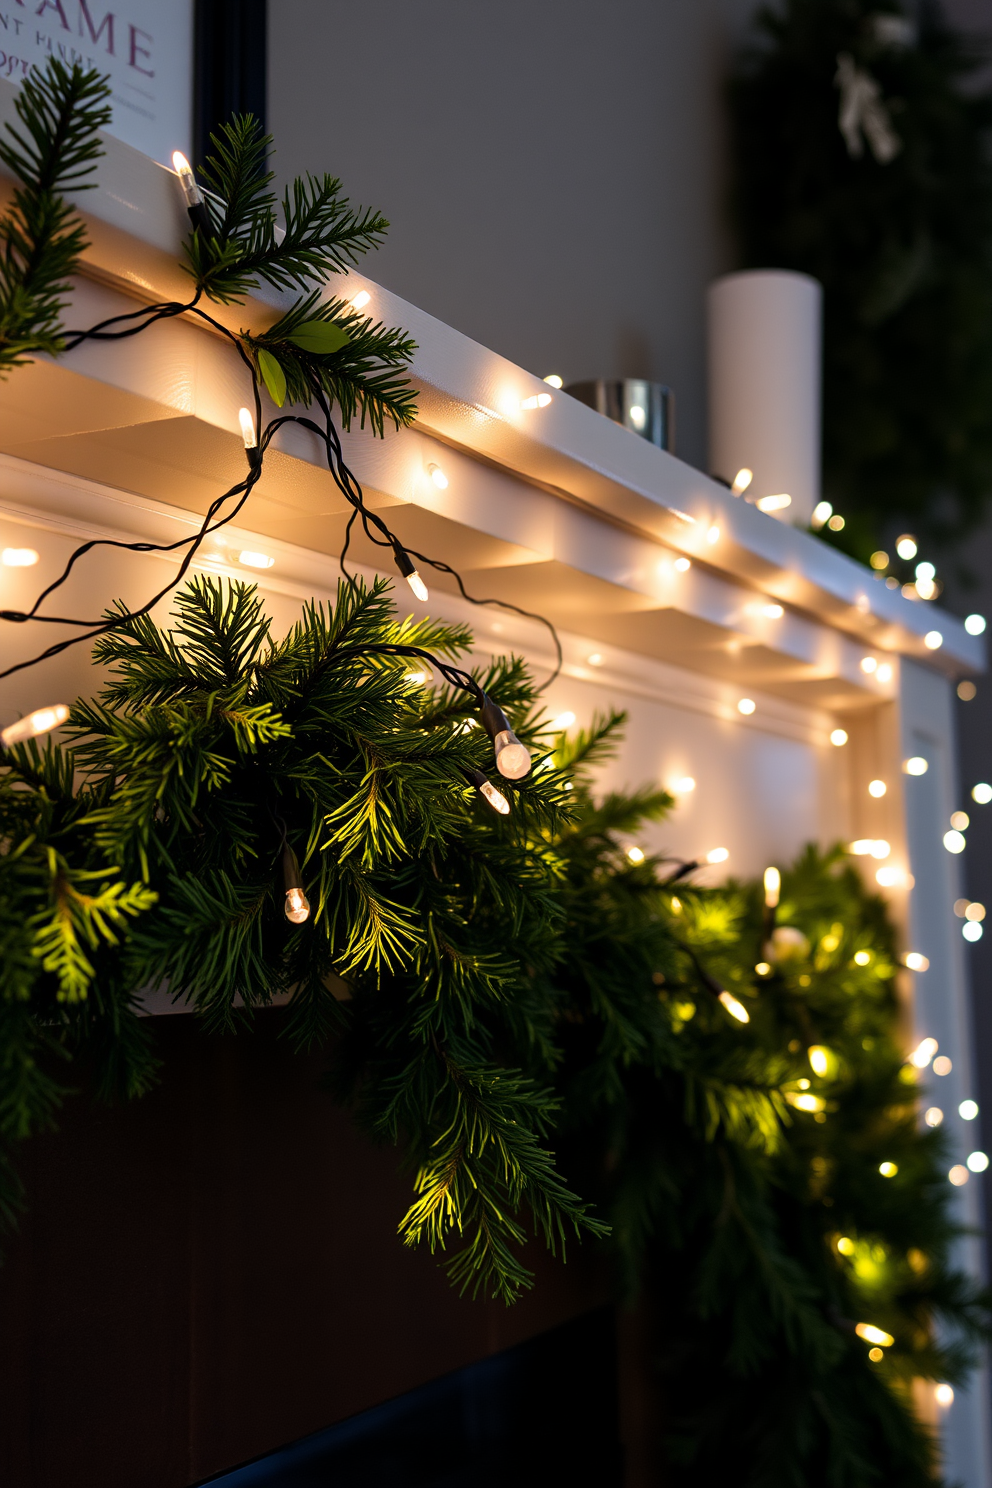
[{"x": 54, "y": 151}]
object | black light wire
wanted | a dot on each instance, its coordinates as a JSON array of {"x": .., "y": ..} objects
[{"x": 343, "y": 476}]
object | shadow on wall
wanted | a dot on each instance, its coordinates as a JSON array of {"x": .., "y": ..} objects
[{"x": 544, "y": 1412}]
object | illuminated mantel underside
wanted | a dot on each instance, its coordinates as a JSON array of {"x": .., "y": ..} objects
[{"x": 554, "y": 504}]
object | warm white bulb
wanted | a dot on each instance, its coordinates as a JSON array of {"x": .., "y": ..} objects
[
  {"x": 18, "y": 557},
  {"x": 954, "y": 842},
  {"x": 563, "y": 721},
  {"x": 773, "y": 887},
  {"x": 179, "y": 162},
  {"x": 512, "y": 757},
  {"x": 822, "y": 511},
  {"x": 418, "y": 586},
  {"x": 734, "y": 1008},
  {"x": 838, "y": 737},
  {"x": 495, "y": 798},
  {"x": 187, "y": 179},
  {"x": 960, "y": 821},
  {"x": 975, "y": 624},
  {"x": 877, "y": 788},
  {"x": 869, "y": 664},
  {"x": 438, "y": 476},
  {"x": 553, "y": 380},
  {"x": 923, "y": 1053},
  {"x": 971, "y": 930},
  {"x": 891, "y": 878},
  {"x": 944, "y": 1395},
  {"x": 906, "y": 546},
  {"x": 917, "y": 765},
  {"x": 879, "y": 848},
  {"x": 887, "y": 1170},
  {"x": 42, "y": 721},
  {"x": 297, "y": 906},
  {"x": 537, "y": 400},
  {"x": 968, "y": 1110},
  {"x": 870, "y": 1333},
  {"x": 742, "y": 480},
  {"x": 977, "y": 1161},
  {"x": 247, "y": 428},
  {"x": 933, "y": 1116},
  {"x": 635, "y": 854},
  {"x": 982, "y": 793},
  {"x": 958, "y": 1175},
  {"x": 256, "y": 560},
  {"x": 684, "y": 785},
  {"x": 773, "y": 503},
  {"x": 637, "y": 416},
  {"x": 884, "y": 673},
  {"x": 819, "y": 1059},
  {"x": 933, "y": 640},
  {"x": 916, "y": 961},
  {"x": 746, "y": 706},
  {"x": 862, "y": 847},
  {"x": 942, "y": 1065},
  {"x": 713, "y": 534},
  {"x": 360, "y": 300},
  {"x": 595, "y": 659},
  {"x": 682, "y": 565},
  {"x": 717, "y": 855},
  {"x": 772, "y": 611},
  {"x": 975, "y": 911}
]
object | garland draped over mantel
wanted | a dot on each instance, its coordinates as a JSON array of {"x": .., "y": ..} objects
[{"x": 564, "y": 1034}]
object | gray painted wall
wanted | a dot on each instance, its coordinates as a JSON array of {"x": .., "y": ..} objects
[{"x": 552, "y": 169}]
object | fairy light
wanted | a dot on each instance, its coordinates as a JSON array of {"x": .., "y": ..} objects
[
  {"x": 822, "y": 512},
  {"x": 717, "y": 855},
  {"x": 563, "y": 721},
  {"x": 682, "y": 565},
  {"x": 734, "y": 1008},
  {"x": 553, "y": 380},
  {"x": 836, "y": 523},
  {"x": 256, "y": 560},
  {"x": 981, "y": 793},
  {"x": 933, "y": 640},
  {"x": 773, "y": 886},
  {"x": 713, "y": 534},
  {"x": 819, "y": 1059},
  {"x": 916, "y": 765},
  {"x": 954, "y": 842},
  {"x": 906, "y": 546},
  {"x": 512, "y": 757},
  {"x": 977, "y": 1161},
  {"x": 975, "y": 624},
  {"x": 877, "y": 788},
  {"x": 18, "y": 557},
  {"x": 296, "y": 905},
  {"x": 968, "y": 1110},
  {"x": 944, "y": 1395},
  {"x": 772, "y": 611},
  {"x": 488, "y": 792},
  {"x": 763, "y": 969},
  {"x": 635, "y": 854},
  {"x": 879, "y": 560},
  {"x": 537, "y": 400},
  {"x": 805, "y": 1102},
  {"x": 916, "y": 961},
  {"x": 742, "y": 480},
  {"x": 942, "y": 1065},
  {"x": 408, "y": 569},
  {"x": 773, "y": 503},
  {"x": 871, "y": 1334},
  {"x": 887, "y": 1170},
  {"x": 684, "y": 786},
  {"x": 42, "y": 721},
  {"x": 960, "y": 821},
  {"x": 924, "y": 1052},
  {"x": 933, "y": 1116},
  {"x": 972, "y": 931},
  {"x": 360, "y": 300},
  {"x": 845, "y": 1245},
  {"x": 196, "y": 207},
  {"x": 438, "y": 476},
  {"x": 746, "y": 706},
  {"x": 838, "y": 737},
  {"x": 249, "y": 436},
  {"x": 869, "y": 664},
  {"x": 884, "y": 673},
  {"x": 862, "y": 958},
  {"x": 958, "y": 1175}
]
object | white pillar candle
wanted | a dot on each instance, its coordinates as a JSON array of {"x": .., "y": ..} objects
[{"x": 765, "y": 352}]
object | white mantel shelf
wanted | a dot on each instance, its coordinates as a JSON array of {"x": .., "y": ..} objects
[{"x": 601, "y": 513}]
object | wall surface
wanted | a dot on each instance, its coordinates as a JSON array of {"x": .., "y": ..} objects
[{"x": 552, "y": 172}]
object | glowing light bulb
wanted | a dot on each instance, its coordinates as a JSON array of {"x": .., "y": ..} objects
[
  {"x": 954, "y": 842},
  {"x": 805, "y": 1102},
  {"x": 297, "y": 906},
  {"x": 418, "y": 586},
  {"x": 537, "y": 400},
  {"x": 247, "y": 428},
  {"x": 438, "y": 476},
  {"x": 879, "y": 848},
  {"x": 772, "y": 611},
  {"x": 975, "y": 624},
  {"x": 916, "y": 961},
  {"x": 563, "y": 721},
  {"x": 595, "y": 659},
  {"x": 822, "y": 512},
  {"x": 924, "y": 1052},
  {"x": 746, "y": 706},
  {"x": 637, "y": 416},
  {"x": 512, "y": 757},
  {"x": 819, "y": 1059},
  {"x": 360, "y": 300},
  {"x": 958, "y": 1175},
  {"x": 773, "y": 886},
  {"x": 917, "y": 765},
  {"x": 734, "y": 1008},
  {"x": 887, "y": 1170},
  {"x": 553, "y": 380},
  {"x": 18, "y": 557},
  {"x": 879, "y": 560},
  {"x": 925, "y": 571},
  {"x": 42, "y": 721},
  {"x": 975, "y": 911},
  {"x": 684, "y": 785},
  {"x": 495, "y": 798},
  {"x": 977, "y": 1161},
  {"x": 763, "y": 969},
  {"x": 869, "y": 664},
  {"x": 891, "y": 878},
  {"x": 635, "y": 855},
  {"x": 933, "y": 640},
  {"x": 742, "y": 480},
  {"x": 836, "y": 523},
  {"x": 845, "y": 1245},
  {"x": 871, "y": 1334},
  {"x": 972, "y": 931},
  {"x": 682, "y": 565},
  {"x": 256, "y": 560},
  {"x": 408, "y": 569},
  {"x": 773, "y": 503},
  {"x": 960, "y": 821},
  {"x": 933, "y": 1116},
  {"x": 713, "y": 535},
  {"x": 944, "y": 1395},
  {"x": 968, "y": 1110},
  {"x": 838, "y": 737},
  {"x": 884, "y": 673},
  {"x": 906, "y": 546},
  {"x": 876, "y": 788},
  {"x": 862, "y": 958},
  {"x": 942, "y": 1065},
  {"x": 981, "y": 793},
  {"x": 187, "y": 180},
  {"x": 717, "y": 855},
  {"x": 966, "y": 691}
]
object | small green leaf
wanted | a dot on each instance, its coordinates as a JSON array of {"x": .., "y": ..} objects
[
  {"x": 319, "y": 336},
  {"x": 273, "y": 376}
]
